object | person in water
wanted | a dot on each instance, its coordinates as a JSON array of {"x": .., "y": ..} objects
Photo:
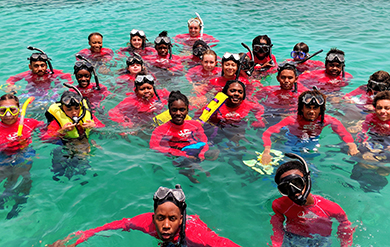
[
  {"x": 15, "y": 153},
  {"x": 374, "y": 146},
  {"x": 302, "y": 218},
  {"x": 96, "y": 52},
  {"x": 301, "y": 52},
  {"x": 331, "y": 79},
  {"x": 303, "y": 129},
  {"x": 280, "y": 100},
  {"x": 195, "y": 32},
  {"x": 265, "y": 61},
  {"x": 137, "y": 45},
  {"x": 40, "y": 80},
  {"x": 134, "y": 66},
  {"x": 139, "y": 108},
  {"x": 164, "y": 58},
  {"x": 198, "y": 49},
  {"x": 169, "y": 223}
]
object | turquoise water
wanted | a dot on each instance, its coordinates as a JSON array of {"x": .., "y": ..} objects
[{"x": 235, "y": 202}]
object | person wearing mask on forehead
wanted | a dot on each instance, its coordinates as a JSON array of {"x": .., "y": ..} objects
[
  {"x": 164, "y": 59},
  {"x": 137, "y": 45},
  {"x": 301, "y": 52},
  {"x": 303, "y": 129},
  {"x": 195, "y": 32},
  {"x": 331, "y": 79},
  {"x": 302, "y": 218},
  {"x": 169, "y": 223},
  {"x": 265, "y": 61},
  {"x": 96, "y": 52},
  {"x": 39, "y": 78}
]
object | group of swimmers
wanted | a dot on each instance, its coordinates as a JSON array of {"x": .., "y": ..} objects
[{"x": 225, "y": 99}]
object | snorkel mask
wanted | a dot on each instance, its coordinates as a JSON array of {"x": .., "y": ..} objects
[
  {"x": 294, "y": 184},
  {"x": 136, "y": 58},
  {"x": 88, "y": 65},
  {"x": 336, "y": 57},
  {"x": 69, "y": 98},
  {"x": 42, "y": 56},
  {"x": 140, "y": 34},
  {"x": 142, "y": 79},
  {"x": 232, "y": 57},
  {"x": 298, "y": 54},
  {"x": 199, "y": 48},
  {"x": 377, "y": 86},
  {"x": 164, "y": 39}
]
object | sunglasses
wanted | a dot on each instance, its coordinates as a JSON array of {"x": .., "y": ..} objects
[
  {"x": 137, "y": 32},
  {"x": 262, "y": 48},
  {"x": 163, "y": 40},
  {"x": 291, "y": 185},
  {"x": 298, "y": 54},
  {"x": 313, "y": 99},
  {"x": 13, "y": 110},
  {"x": 335, "y": 57},
  {"x": 141, "y": 79},
  {"x": 164, "y": 192},
  {"x": 230, "y": 56}
]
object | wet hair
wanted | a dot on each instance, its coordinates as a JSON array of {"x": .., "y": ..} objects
[
  {"x": 143, "y": 40},
  {"x": 196, "y": 18},
  {"x": 288, "y": 166},
  {"x": 256, "y": 41},
  {"x": 380, "y": 76},
  {"x": 313, "y": 92},
  {"x": 92, "y": 34},
  {"x": 333, "y": 51},
  {"x": 228, "y": 83},
  {"x": 9, "y": 96},
  {"x": 37, "y": 59},
  {"x": 85, "y": 66},
  {"x": 71, "y": 94},
  {"x": 175, "y": 96},
  {"x": 301, "y": 47},
  {"x": 287, "y": 66},
  {"x": 210, "y": 52},
  {"x": 385, "y": 95},
  {"x": 200, "y": 42}
]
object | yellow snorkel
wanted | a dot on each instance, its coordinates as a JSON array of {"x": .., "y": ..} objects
[{"x": 23, "y": 113}]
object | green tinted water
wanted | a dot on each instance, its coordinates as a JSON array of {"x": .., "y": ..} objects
[{"x": 235, "y": 202}]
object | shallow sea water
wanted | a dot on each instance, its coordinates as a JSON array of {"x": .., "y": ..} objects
[{"x": 235, "y": 201}]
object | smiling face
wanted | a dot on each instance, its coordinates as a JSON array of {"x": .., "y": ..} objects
[
  {"x": 8, "y": 118},
  {"x": 236, "y": 95},
  {"x": 145, "y": 91},
  {"x": 167, "y": 219},
  {"x": 83, "y": 78},
  {"x": 136, "y": 42},
  {"x": 209, "y": 62},
  {"x": 229, "y": 69},
  {"x": 333, "y": 68},
  {"x": 38, "y": 67},
  {"x": 178, "y": 111},
  {"x": 382, "y": 109},
  {"x": 134, "y": 68},
  {"x": 287, "y": 78},
  {"x": 194, "y": 29},
  {"x": 311, "y": 112},
  {"x": 96, "y": 43},
  {"x": 162, "y": 50}
]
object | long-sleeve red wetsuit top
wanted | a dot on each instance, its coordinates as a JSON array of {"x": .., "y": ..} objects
[
  {"x": 10, "y": 142},
  {"x": 259, "y": 62},
  {"x": 41, "y": 82},
  {"x": 304, "y": 129},
  {"x": 186, "y": 39},
  {"x": 228, "y": 115},
  {"x": 134, "y": 110},
  {"x": 170, "y": 138},
  {"x": 198, "y": 75},
  {"x": 365, "y": 100},
  {"x": 376, "y": 126},
  {"x": 164, "y": 62},
  {"x": 127, "y": 51},
  {"x": 197, "y": 232},
  {"x": 94, "y": 96},
  {"x": 104, "y": 55},
  {"x": 309, "y": 220},
  {"x": 277, "y": 98},
  {"x": 323, "y": 81},
  {"x": 309, "y": 65}
]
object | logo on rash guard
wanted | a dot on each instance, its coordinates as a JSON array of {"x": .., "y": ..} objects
[
  {"x": 185, "y": 133},
  {"x": 12, "y": 137},
  {"x": 309, "y": 215}
]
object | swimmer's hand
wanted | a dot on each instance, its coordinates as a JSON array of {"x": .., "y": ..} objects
[
  {"x": 352, "y": 149},
  {"x": 67, "y": 127},
  {"x": 266, "y": 157},
  {"x": 61, "y": 243},
  {"x": 88, "y": 124}
]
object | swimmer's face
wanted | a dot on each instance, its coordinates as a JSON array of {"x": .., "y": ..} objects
[
  {"x": 236, "y": 94},
  {"x": 287, "y": 78},
  {"x": 145, "y": 91},
  {"x": 382, "y": 109},
  {"x": 262, "y": 42},
  {"x": 162, "y": 50},
  {"x": 229, "y": 68},
  {"x": 333, "y": 68},
  {"x": 38, "y": 68},
  {"x": 167, "y": 219},
  {"x": 71, "y": 111},
  {"x": 294, "y": 198},
  {"x": 178, "y": 111},
  {"x": 136, "y": 42},
  {"x": 209, "y": 62},
  {"x": 134, "y": 68},
  {"x": 194, "y": 29},
  {"x": 8, "y": 118},
  {"x": 83, "y": 78},
  {"x": 311, "y": 112},
  {"x": 96, "y": 43}
]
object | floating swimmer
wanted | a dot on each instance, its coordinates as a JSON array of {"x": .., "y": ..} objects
[
  {"x": 96, "y": 52},
  {"x": 198, "y": 49},
  {"x": 138, "y": 45},
  {"x": 300, "y": 53},
  {"x": 265, "y": 61}
]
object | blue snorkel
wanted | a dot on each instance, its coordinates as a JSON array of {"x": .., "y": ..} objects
[
  {"x": 42, "y": 52},
  {"x": 93, "y": 70}
]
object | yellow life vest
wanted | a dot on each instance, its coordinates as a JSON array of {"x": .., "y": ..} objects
[
  {"x": 213, "y": 106},
  {"x": 164, "y": 117},
  {"x": 59, "y": 115}
]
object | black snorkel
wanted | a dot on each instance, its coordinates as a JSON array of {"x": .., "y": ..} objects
[
  {"x": 302, "y": 199},
  {"x": 41, "y": 51},
  {"x": 250, "y": 71},
  {"x": 76, "y": 120},
  {"x": 309, "y": 57},
  {"x": 93, "y": 71}
]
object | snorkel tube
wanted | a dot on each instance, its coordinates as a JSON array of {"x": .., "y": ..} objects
[
  {"x": 250, "y": 71},
  {"x": 240, "y": 67},
  {"x": 41, "y": 51},
  {"x": 201, "y": 25},
  {"x": 309, "y": 57},
  {"x": 93, "y": 71},
  {"x": 301, "y": 200},
  {"x": 76, "y": 120},
  {"x": 23, "y": 113}
]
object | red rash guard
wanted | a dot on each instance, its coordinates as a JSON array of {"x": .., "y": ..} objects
[
  {"x": 127, "y": 51},
  {"x": 197, "y": 232},
  {"x": 304, "y": 129},
  {"x": 309, "y": 220},
  {"x": 309, "y": 65},
  {"x": 171, "y": 138},
  {"x": 164, "y": 62},
  {"x": 323, "y": 81},
  {"x": 198, "y": 74},
  {"x": 104, "y": 55},
  {"x": 186, "y": 39},
  {"x": 42, "y": 82},
  {"x": 93, "y": 95}
]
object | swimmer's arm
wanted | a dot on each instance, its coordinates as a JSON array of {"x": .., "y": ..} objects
[
  {"x": 266, "y": 158},
  {"x": 89, "y": 124},
  {"x": 11, "y": 81},
  {"x": 155, "y": 144},
  {"x": 258, "y": 110},
  {"x": 352, "y": 149},
  {"x": 277, "y": 227}
]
